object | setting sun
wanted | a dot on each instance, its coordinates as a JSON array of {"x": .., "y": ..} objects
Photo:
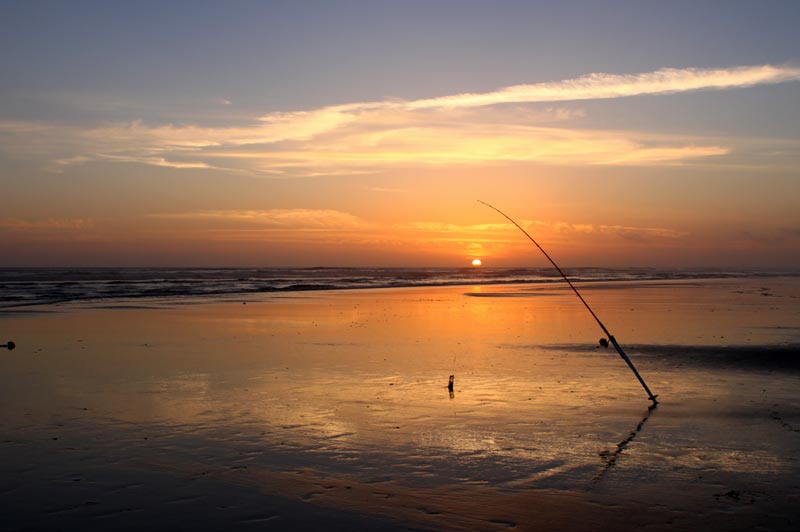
[
  {"x": 257, "y": 170},
  {"x": 476, "y": 262}
]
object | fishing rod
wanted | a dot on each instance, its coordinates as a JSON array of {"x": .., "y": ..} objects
[{"x": 603, "y": 342}]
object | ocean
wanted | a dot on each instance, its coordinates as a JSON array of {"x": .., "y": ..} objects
[{"x": 42, "y": 286}]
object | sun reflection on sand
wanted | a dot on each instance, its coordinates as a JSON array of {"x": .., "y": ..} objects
[{"x": 354, "y": 385}]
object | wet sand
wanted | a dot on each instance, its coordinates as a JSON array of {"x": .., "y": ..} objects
[{"x": 330, "y": 411}]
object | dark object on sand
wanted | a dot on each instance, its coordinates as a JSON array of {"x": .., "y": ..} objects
[
  {"x": 10, "y": 345},
  {"x": 603, "y": 343},
  {"x": 450, "y": 383},
  {"x": 585, "y": 304}
]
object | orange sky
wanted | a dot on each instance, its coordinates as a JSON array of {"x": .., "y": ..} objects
[{"x": 207, "y": 159}]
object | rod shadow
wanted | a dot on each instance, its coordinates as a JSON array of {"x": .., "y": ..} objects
[{"x": 610, "y": 457}]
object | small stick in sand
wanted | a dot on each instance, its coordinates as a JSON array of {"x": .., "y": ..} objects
[
  {"x": 450, "y": 383},
  {"x": 10, "y": 345},
  {"x": 611, "y": 338}
]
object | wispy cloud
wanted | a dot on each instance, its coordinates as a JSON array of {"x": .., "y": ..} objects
[
  {"x": 546, "y": 229},
  {"x": 626, "y": 232},
  {"x": 49, "y": 224},
  {"x": 146, "y": 159},
  {"x": 439, "y": 227},
  {"x": 365, "y": 136},
  {"x": 274, "y": 218},
  {"x": 332, "y": 227},
  {"x": 603, "y": 86}
]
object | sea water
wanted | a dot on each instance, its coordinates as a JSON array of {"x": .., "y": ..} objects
[{"x": 37, "y": 286}]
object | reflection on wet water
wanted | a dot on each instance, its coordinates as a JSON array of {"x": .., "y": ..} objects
[
  {"x": 356, "y": 383},
  {"x": 610, "y": 457}
]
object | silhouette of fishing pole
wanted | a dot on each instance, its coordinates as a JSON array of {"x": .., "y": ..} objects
[{"x": 603, "y": 341}]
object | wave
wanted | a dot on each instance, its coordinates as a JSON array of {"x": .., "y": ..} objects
[{"x": 42, "y": 286}]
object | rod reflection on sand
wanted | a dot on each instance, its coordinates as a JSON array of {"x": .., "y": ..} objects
[{"x": 610, "y": 457}]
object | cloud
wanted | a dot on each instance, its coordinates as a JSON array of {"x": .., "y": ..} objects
[
  {"x": 317, "y": 219},
  {"x": 544, "y": 228},
  {"x": 145, "y": 159},
  {"x": 594, "y": 86},
  {"x": 476, "y": 143},
  {"x": 58, "y": 224},
  {"x": 467, "y": 128},
  {"x": 598, "y": 86},
  {"x": 626, "y": 232},
  {"x": 439, "y": 227},
  {"x": 333, "y": 228}
]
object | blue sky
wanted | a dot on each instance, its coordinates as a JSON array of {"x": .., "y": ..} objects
[{"x": 276, "y": 55}]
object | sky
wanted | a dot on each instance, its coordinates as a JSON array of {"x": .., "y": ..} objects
[{"x": 362, "y": 133}]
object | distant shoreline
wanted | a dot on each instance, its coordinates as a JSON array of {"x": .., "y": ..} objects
[{"x": 35, "y": 287}]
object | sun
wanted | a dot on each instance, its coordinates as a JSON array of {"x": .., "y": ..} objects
[{"x": 476, "y": 262}]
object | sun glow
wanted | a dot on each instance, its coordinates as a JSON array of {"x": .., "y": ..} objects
[{"x": 476, "y": 262}]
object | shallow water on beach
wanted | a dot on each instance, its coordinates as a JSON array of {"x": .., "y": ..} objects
[{"x": 339, "y": 400}]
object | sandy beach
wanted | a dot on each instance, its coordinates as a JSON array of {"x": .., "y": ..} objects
[{"x": 330, "y": 410}]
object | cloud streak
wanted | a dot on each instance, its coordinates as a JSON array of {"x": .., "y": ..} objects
[
  {"x": 309, "y": 225},
  {"x": 49, "y": 224},
  {"x": 316, "y": 219},
  {"x": 598, "y": 86},
  {"x": 467, "y": 128}
]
